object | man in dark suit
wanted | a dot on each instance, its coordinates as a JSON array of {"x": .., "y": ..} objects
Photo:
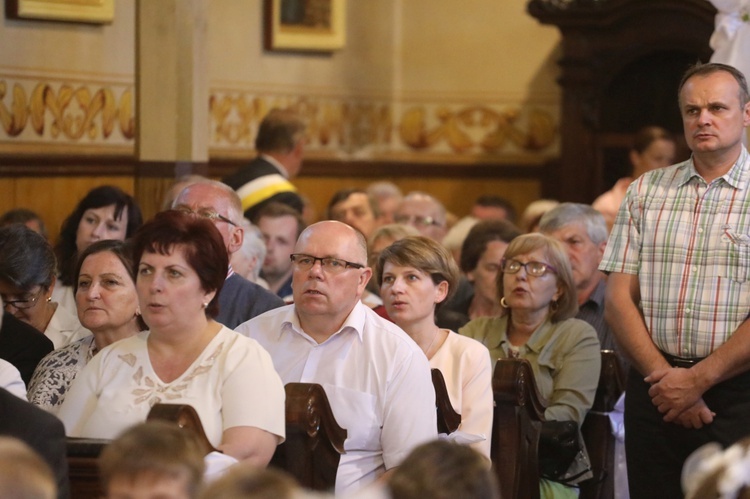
[
  {"x": 42, "y": 431},
  {"x": 22, "y": 345},
  {"x": 280, "y": 145}
]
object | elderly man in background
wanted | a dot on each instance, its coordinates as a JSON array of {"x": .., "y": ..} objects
[
  {"x": 280, "y": 144},
  {"x": 377, "y": 380},
  {"x": 240, "y": 299},
  {"x": 583, "y": 232},
  {"x": 423, "y": 212}
]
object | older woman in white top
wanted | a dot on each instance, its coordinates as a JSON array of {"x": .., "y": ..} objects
[
  {"x": 416, "y": 275},
  {"x": 27, "y": 279},
  {"x": 186, "y": 357},
  {"x": 107, "y": 304}
]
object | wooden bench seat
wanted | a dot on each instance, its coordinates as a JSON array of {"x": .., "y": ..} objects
[{"x": 519, "y": 413}]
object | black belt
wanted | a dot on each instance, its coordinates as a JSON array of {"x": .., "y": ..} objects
[{"x": 681, "y": 361}]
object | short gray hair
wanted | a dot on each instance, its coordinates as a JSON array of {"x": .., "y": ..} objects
[
  {"x": 567, "y": 213},
  {"x": 253, "y": 246}
]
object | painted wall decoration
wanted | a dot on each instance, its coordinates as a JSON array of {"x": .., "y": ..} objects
[
  {"x": 70, "y": 112},
  {"x": 48, "y": 111}
]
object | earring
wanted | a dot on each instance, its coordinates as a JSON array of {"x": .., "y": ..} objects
[
  {"x": 204, "y": 304},
  {"x": 503, "y": 303},
  {"x": 49, "y": 299}
]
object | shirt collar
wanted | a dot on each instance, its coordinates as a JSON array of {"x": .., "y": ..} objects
[
  {"x": 738, "y": 176},
  {"x": 355, "y": 321}
]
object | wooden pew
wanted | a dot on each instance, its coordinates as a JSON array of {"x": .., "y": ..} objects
[
  {"x": 448, "y": 420},
  {"x": 314, "y": 441},
  {"x": 83, "y": 453},
  {"x": 519, "y": 413},
  {"x": 83, "y": 468},
  {"x": 597, "y": 431}
]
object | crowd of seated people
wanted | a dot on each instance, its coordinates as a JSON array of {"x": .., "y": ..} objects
[
  {"x": 145, "y": 310},
  {"x": 127, "y": 314}
]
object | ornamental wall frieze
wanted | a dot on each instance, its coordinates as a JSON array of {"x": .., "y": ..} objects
[
  {"x": 361, "y": 126},
  {"x": 478, "y": 129},
  {"x": 343, "y": 125},
  {"x": 66, "y": 112}
]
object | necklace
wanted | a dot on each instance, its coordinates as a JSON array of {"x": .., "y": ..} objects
[{"x": 429, "y": 347}]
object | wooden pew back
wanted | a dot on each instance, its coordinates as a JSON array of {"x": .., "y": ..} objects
[
  {"x": 448, "y": 420},
  {"x": 314, "y": 440},
  {"x": 519, "y": 413}
]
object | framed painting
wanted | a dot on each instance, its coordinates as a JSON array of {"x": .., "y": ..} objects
[
  {"x": 305, "y": 25},
  {"x": 87, "y": 11}
]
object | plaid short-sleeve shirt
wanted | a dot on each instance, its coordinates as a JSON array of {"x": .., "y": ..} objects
[{"x": 689, "y": 244}]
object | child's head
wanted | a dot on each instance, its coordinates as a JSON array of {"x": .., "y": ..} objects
[
  {"x": 152, "y": 459},
  {"x": 23, "y": 473},
  {"x": 244, "y": 481}
]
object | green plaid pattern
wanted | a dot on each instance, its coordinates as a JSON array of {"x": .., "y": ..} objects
[{"x": 689, "y": 244}]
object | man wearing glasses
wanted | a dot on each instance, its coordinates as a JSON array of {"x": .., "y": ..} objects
[
  {"x": 377, "y": 380},
  {"x": 240, "y": 299},
  {"x": 424, "y": 213}
]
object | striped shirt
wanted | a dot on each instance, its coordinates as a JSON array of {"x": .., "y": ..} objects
[{"x": 689, "y": 244}]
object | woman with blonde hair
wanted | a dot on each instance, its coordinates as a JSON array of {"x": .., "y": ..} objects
[
  {"x": 416, "y": 275},
  {"x": 538, "y": 297}
]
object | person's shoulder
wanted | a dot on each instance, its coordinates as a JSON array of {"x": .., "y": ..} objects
[
  {"x": 382, "y": 333},
  {"x": 480, "y": 325},
  {"x": 14, "y": 410},
  {"x": 261, "y": 297},
  {"x": 257, "y": 167},
  {"x": 465, "y": 345},
  {"x": 15, "y": 330},
  {"x": 575, "y": 330},
  {"x": 263, "y": 322}
]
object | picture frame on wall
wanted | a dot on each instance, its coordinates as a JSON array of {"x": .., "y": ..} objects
[
  {"x": 86, "y": 11},
  {"x": 305, "y": 25}
]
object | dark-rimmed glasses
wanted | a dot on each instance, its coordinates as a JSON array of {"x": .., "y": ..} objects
[
  {"x": 536, "y": 269},
  {"x": 328, "y": 264},
  {"x": 416, "y": 220},
  {"x": 24, "y": 304},
  {"x": 206, "y": 213}
]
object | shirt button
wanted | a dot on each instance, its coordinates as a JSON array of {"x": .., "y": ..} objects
[
  {"x": 695, "y": 269},
  {"x": 685, "y": 351},
  {"x": 687, "y": 310},
  {"x": 700, "y": 230}
]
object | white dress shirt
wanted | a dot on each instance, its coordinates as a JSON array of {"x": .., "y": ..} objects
[{"x": 376, "y": 378}]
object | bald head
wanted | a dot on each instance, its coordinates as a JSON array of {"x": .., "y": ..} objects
[{"x": 340, "y": 235}]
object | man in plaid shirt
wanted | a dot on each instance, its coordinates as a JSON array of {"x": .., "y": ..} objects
[{"x": 678, "y": 292}]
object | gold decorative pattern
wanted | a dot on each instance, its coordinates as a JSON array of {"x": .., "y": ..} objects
[
  {"x": 355, "y": 126},
  {"x": 333, "y": 124},
  {"x": 65, "y": 112},
  {"x": 477, "y": 129},
  {"x": 88, "y": 113}
]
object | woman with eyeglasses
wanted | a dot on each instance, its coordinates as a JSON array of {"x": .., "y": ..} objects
[
  {"x": 185, "y": 357},
  {"x": 417, "y": 275},
  {"x": 107, "y": 305},
  {"x": 27, "y": 279},
  {"x": 538, "y": 299},
  {"x": 106, "y": 212}
]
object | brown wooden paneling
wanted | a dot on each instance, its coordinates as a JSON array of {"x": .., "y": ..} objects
[
  {"x": 52, "y": 185},
  {"x": 53, "y": 198}
]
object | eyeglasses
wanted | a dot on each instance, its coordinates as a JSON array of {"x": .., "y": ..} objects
[
  {"x": 24, "y": 304},
  {"x": 329, "y": 265},
  {"x": 536, "y": 269},
  {"x": 416, "y": 220},
  {"x": 206, "y": 213}
]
